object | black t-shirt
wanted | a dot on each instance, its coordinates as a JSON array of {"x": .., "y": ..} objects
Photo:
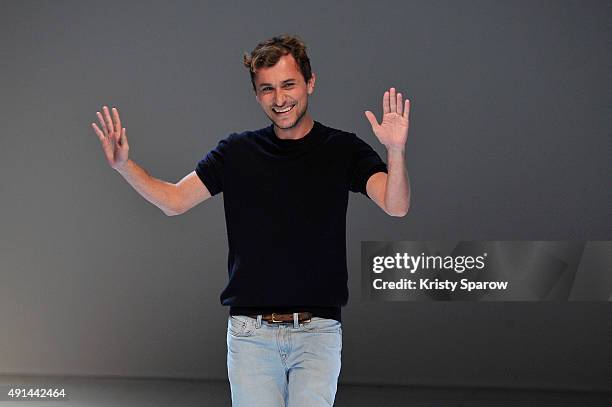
[{"x": 285, "y": 210}]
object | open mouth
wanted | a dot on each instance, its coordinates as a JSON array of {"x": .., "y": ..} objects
[{"x": 282, "y": 111}]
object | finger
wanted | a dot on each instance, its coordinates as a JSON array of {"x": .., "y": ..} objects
[
  {"x": 101, "y": 120},
  {"x": 372, "y": 119},
  {"x": 399, "y": 103},
  {"x": 109, "y": 122},
  {"x": 386, "y": 103},
  {"x": 117, "y": 121},
  {"x": 106, "y": 146},
  {"x": 392, "y": 100},
  {"x": 406, "y": 109},
  {"x": 124, "y": 142},
  {"x": 101, "y": 135}
]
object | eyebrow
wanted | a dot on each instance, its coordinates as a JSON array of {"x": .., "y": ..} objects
[{"x": 282, "y": 83}]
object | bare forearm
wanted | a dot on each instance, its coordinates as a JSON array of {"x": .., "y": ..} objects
[
  {"x": 397, "y": 191},
  {"x": 159, "y": 193}
]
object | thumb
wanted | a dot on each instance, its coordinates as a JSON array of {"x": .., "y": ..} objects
[{"x": 371, "y": 118}]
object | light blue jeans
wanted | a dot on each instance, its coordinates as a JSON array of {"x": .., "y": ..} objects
[{"x": 283, "y": 365}]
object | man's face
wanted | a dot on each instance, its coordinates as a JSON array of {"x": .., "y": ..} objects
[{"x": 282, "y": 92}]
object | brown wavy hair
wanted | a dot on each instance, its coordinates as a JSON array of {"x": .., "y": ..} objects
[{"x": 268, "y": 52}]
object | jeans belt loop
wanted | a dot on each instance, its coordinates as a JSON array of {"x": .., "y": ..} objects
[{"x": 296, "y": 320}]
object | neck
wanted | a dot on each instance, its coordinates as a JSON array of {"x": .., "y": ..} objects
[{"x": 302, "y": 127}]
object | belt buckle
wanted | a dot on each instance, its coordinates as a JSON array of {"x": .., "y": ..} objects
[{"x": 274, "y": 320}]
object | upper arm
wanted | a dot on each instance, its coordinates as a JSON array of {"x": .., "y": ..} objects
[
  {"x": 375, "y": 188},
  {"x": 190, "y": 192}
]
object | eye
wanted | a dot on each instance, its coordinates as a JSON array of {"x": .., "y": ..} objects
[{"x": 289, "y": 86}]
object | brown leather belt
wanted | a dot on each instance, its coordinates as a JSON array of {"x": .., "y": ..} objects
[{"x": 303, "y": 317}]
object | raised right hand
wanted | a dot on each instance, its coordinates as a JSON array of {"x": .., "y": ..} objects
[{"x": 113, "y": 138}]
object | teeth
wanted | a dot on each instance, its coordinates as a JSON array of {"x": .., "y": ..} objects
[{"x": 283, "y": 111}]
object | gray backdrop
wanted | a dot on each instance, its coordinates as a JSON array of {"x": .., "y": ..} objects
[{"x": 509, "y": 139}]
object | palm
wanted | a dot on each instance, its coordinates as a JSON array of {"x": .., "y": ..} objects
[
  {"x": 393, "y": 130},
  {"x": 114, "y": 151},
  {"x": 113, "y": 138}
]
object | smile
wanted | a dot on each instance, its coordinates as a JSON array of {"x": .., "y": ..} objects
[{"x": 282, "y": 111}]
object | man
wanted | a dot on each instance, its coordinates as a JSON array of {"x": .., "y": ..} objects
[{"x": 285, "y": 191}]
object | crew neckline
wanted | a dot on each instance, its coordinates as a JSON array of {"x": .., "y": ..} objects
[{"x": 308, "y": 137}]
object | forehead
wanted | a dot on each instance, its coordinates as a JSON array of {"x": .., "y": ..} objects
[{"x": 285, "y": 68}]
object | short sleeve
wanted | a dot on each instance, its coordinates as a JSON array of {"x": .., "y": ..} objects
[
  {"x": 210, "y": 168},
  {"x": 364, "y": 162}
]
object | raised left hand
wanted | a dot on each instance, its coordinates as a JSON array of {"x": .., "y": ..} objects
[{"x": 393, "y": 131}]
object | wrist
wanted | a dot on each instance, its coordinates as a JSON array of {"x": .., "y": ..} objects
[
  {"x": 396, "y": 149},
  {"x": 123, "y": 167}
]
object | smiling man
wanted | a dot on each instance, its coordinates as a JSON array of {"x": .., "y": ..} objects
[
  {"x": 287, "y": 106},
  {"x": 285, "y": 191}
]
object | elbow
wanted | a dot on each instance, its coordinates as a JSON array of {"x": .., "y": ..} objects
[
  {"x": 399, "y": 213},
  {"x": 174, "y": 206},
  {"x": 172, "y": 211},
  {"x": 398, "y": 207}
]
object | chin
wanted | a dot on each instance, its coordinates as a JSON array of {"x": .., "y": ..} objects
[{"x": 285, "y": 126}]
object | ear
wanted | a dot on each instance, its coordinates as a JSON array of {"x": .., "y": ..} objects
[{"x": 311, "y": 84}]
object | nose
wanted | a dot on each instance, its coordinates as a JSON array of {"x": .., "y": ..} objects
[{"x": 279, "y": 98}]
